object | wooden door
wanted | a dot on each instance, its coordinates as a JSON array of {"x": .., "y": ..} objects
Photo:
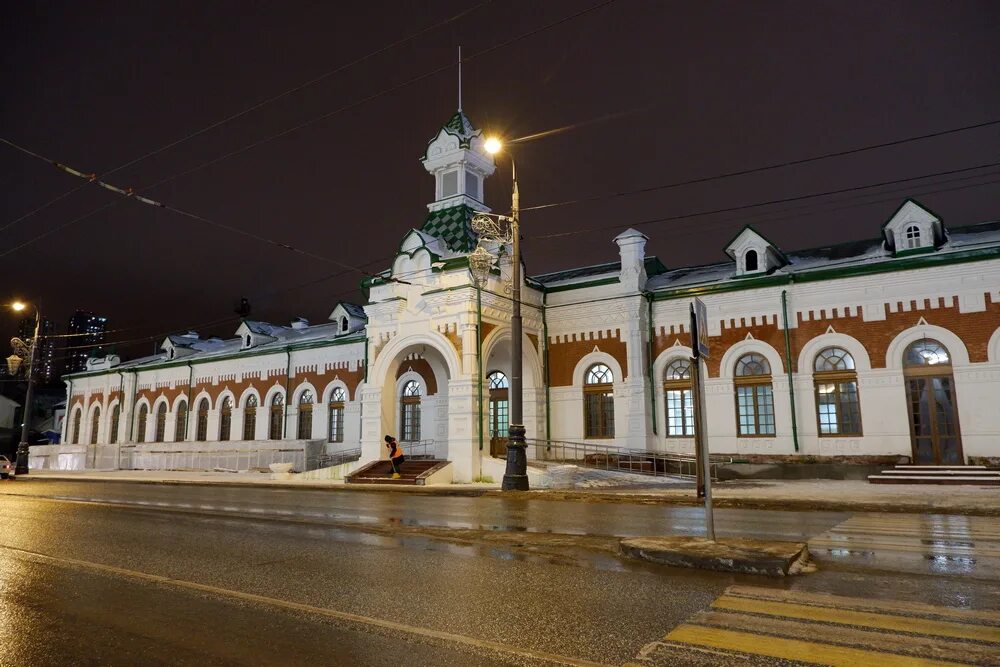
[
  {"x": 499, "y": 422},
  {"x": 933, "y": 416}
]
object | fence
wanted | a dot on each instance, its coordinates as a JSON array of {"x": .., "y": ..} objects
[{"x": 609, "y": 457}]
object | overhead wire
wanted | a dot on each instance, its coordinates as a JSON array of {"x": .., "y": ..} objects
[
  {"x": 755, "y": 170},
  {"x": 324, "y": 116},
  {"x": 730, "y": 209},
  {"x": 258, "y": 105}
]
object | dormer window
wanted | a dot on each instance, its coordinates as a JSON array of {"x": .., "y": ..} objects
[
  {"x": 912, "y": 236},
  {"x": 750, "y": 261},
  {"x": 449, "y": 184},
  {"x": 343, "y": 325},
  {"x": 247, "y": 341}
]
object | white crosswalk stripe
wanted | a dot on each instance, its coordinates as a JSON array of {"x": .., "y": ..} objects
[{"x": 818, "y": 628}]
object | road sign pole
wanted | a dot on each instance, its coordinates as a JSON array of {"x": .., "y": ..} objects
[{"x": 699, "y": 346}]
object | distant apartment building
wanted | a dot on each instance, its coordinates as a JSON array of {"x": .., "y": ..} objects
[
  {"x": 45, "y": 363},
  {"x": 86, "y": 335}
]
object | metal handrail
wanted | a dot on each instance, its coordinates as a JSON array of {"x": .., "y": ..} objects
[
  {"x": 337, "y": 458},
  {"x": 621, "y": 459},
  {"x": 419, "y": 449}
]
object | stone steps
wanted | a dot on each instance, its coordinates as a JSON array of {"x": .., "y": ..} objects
[
  {"x": 412, "y": 473},
  {"x": 915, "y": 474}
]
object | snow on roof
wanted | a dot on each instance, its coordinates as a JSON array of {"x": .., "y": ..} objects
[
  {"x": 852, "y": 253},
  {"x": 353, "y": 309}
]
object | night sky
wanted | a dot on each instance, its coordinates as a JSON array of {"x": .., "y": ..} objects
[{"x": 686, "y": 90}]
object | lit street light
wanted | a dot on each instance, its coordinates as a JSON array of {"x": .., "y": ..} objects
[
  {"x": 21, "y": 463},
  {"x": 515, "y": 477}
]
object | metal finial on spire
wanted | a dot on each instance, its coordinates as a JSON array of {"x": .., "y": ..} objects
[{"x": 459, "y": 78}]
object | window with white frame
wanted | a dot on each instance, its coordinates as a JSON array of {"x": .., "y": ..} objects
[
  {"x": 754, "y": 396},
  {"x": 201, "y": 432},
  {"x": 275, "y": 429},
  {"x": 159, "y": 433},
  {"x": 838, "y": 405},
  {"x": 181, "y": 422},
  {"x": 911, "y": 237},
  {"x": 337, "y": 399},
  {"x": 250, "y": 418},
  {"x": 679, "y": 398},
  {"x": 226, "y": 419},
  {"x": 140, "y": 424},
  {"x": 95, "y": 423}
]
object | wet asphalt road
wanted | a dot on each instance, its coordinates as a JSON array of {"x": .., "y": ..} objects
[{"x": 91, "y": 577}]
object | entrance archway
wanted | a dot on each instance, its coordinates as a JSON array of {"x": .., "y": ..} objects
[
  {"x": 413, "y": 399},
  {"x": 932, "y": 405}
]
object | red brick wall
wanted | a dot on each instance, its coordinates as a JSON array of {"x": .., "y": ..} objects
[{"x": 565, "y": 355}]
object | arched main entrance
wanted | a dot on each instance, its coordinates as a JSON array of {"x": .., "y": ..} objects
[{"x": 932, "y": 404}]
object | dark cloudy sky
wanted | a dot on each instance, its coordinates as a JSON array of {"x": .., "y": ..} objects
[{"x": 694, "y": 89}]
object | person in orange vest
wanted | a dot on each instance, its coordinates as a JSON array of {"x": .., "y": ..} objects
[{"x": 396, "y": 458}]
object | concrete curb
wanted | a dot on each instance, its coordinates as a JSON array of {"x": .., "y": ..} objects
[
  {"x": 759, "y": 503},
  {"x": 747, "y": 556}
]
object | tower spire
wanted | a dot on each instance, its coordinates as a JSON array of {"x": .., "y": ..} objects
[{"x": 459, "y": 78}]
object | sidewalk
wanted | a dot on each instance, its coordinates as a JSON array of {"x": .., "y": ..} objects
[{"x": 802, "y": 495}]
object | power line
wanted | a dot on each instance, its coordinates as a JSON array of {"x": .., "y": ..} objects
[
  {"x": 258, "y": 105},
  {"x": 132, "y": 194},
  {"x": 369, "y": 98},
  {"x": 743, "y": 207},
  {"x": 754, "y": 170}
]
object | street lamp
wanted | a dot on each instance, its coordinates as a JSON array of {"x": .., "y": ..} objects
[
  {"x": 21, "y": 462},
  {"x": 515, "y": 477}
]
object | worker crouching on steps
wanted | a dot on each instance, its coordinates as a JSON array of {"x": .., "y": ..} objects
[{"x": 396, "y": 457}]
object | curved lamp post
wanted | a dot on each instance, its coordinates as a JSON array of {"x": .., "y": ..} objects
[
  {"x": 21, "y": 463},
  {"x": 481, "y": 262}
]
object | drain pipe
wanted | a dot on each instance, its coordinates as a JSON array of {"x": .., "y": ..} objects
[
  {"x": 545, "y": 372},
  {"x": 131, "y": 410},
  {"x": 187, "y": 417},
  {"x": 649, "y": 356},
  {"x": 288, "y": 399},
  {"x": 479, "y": 359},
  {"x": 788, "y": 367}
]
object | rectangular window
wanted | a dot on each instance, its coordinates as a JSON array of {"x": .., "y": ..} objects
[
  {"x": 838, "y": 408},
  {"x": 336, "y": 424},
  {"x": 449, "y": 184},
  {"x": 680, "y": 413},
  {"x": 472, "y": 185},
  {"x": 599, "y": 414},
  {"x": 305, "y": 422},
  {"x": 410, "y": 419},
  {"x": 755, "y": 409}
]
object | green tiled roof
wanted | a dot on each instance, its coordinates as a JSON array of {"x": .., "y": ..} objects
[
  {"x": 452, "y": 226},
  {"x": 461, "y": 127}
]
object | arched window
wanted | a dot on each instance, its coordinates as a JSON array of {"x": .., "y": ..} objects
[
  {"x": 679, "y": 398},
  {"x": 201, "y": 434},
  {"x": 250, "y": 418},
  {"x": 750, "y": 261},
  {"x": 410, "y": 412},
  {"x": 305, "y": 427},
  {"x": 275, "y": 429},
  {"x": 838, "y": 405},
  {"x": 343, "y": 324},
  {"x": 181, "y": 422},
  {"x": 754, "y": 396},
  {"x": 499, "y": 412},
  {"x": 161, "y": 423},
  {"x": 226, "y": 419},
  {"x": 140, "y": 424},
  {"x": 95, "y": 424},
  {"x": 598, "y": 402},
  {"x": 926, "y": 352},
  {"x": 912, "y": 236},
  {"x": 497, "y": 380},
  {"x": 337, "y": 399},
  {"x": 75, "y": 426},
  {"x": 116, "y": 416}
]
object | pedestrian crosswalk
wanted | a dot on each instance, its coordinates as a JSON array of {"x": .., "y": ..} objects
[
  {"x": 754, "y": 625},
  {"x": 935, "y": 544}
]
